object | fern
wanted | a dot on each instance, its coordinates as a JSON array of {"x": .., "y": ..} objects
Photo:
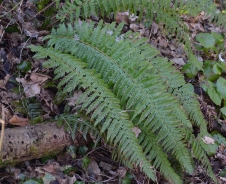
[
  {"x": 125, "y": 86},
  {"x": 165, "y": 11},
  {"x": 106, "y": 107}
]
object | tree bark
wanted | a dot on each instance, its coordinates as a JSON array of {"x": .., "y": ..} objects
[{"x": 35, "y": 141}]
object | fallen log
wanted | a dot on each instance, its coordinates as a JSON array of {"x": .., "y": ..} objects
[{"x": 35, "y": 141}]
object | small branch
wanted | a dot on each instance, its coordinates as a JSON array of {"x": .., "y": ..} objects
[
  {"x": 18, "y": 4},
  {"x": 44, "y": 9}
]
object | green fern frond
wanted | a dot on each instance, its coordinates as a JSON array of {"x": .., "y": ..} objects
[
  {"x": 118, "y": 71},
  {"x": 110, "y": 115},
  {"x": 120, "y": 75},
  {"x": 165, "y": 11},
  {"x": 78, "y": 123}
]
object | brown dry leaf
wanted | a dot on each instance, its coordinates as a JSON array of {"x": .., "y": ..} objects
[
  {"x": 52, "y": 168},
  {"x": 122, "y": 172},
  {"x": 208, "y": 140},
  {"x": 122, "y": 17},
  {"x": 163, "y": 42},
  {"x": 72, "y": 101},
  {"x": 4, "y": 82},
  {"x": 197, "y": 27},
  {"x": 16, "y": 38},
  {"x": 137, "y": 131},
  {"x": 134, "y": 27},
  {"x": 39, "y": 78},
  {"x": 16, "y": 120},
  {"x": 93, "y": 169},
  {"x": 154, "y": 28},
  {"x": 30, "y": 88},
  {"x": 179, "y": 61}
]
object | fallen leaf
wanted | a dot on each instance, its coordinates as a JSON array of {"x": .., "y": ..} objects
[
  {"x": 72, "y": 101},
  {"x": 122, "y": 17},
  {"x": 16, "y": 120},
  {"x": 208, "y": 140},
  {"x": 137, "y": 131},
  {"x": 39, "y": 78},
  {"x": 134, "y": 27},
  {"x": 163, "y": 42},
  {"x": 154, "y": 28},
  {"x": 30, "y": 88},
  {"x": 4, "y": 82},
  {"x": 122, "y": 172},
  {"x": 179, "y": 61}
]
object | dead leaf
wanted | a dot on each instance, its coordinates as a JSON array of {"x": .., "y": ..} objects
[
  {"x": 134, "y": 27},
  {"x": 133, "y": 18},
  {"x": 122, "y": 172},
  {"x": 179, "y": 61},
  {"x": 30, "y": 88},
  {"x": 39, "y": 78},
  {"x": 73, "y": 100},
  {"x": 16, "y": 120},
  {"x": 4, "y": 82},
  {"x": 208, "y": 140},
  {"x": 137, "y": 131},
  {"x": 154, "y": 28},
  {"x": 122, "y": 17},
  {"x": 163, "y": 42}
]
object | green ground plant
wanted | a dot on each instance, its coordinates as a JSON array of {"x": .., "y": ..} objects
[
  {"x": 128, "y": 88},
  {"x": 213, "y": 80}
]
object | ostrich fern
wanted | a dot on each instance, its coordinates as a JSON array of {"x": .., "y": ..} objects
[{"x": 127, "y": 86}]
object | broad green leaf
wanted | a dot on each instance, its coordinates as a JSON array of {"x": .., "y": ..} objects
[
  {"x": 85, "y": 162},
  {"x": 82, "y": 150},
  {"x": 206, "y": 40},
  {"x": 217, "y": 69},
  {"x": 127, "y": 179},
  {"x": 209, "y": 147},
  {"x": 24, "y": 66},
  {"x": 223, "y": 173},
  {"x": 219, "y": 139},
  {"x": 214, "y": 96},
  {"x": 221, "y": 87},
  {"x": 218, "y": 37},
  {"x": 48, "y": 178},
  {"x": 223, "y": 66},
  {"x": 223, "y": 110}
]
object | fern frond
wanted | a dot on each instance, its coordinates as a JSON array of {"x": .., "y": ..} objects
[
  {"x": 155, "y": 109},
  {"x": 78, "y": 123},
  {"x": 120, "y": 76},
  {"x": 110, "y": 115},
  {"x": 165, "y": 11}
]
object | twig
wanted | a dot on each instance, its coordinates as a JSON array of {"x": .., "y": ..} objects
[
  {"x": 23, "y": 48},
  {"x": 43, "y": 10},
  {"x": 3, "y": 127},
  {"x": 18, "y": 4}
]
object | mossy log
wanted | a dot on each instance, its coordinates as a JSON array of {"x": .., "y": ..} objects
[{"x": 35, "y": 141}]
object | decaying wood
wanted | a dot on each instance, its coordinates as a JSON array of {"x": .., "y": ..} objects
[{"x": 35, "y": 141}]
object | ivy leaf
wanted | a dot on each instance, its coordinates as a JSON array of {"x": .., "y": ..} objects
[
  {"x": 221, "y": 87},
  {"x": 207, "y": 40},
  {"x": 223, "y": 110}
]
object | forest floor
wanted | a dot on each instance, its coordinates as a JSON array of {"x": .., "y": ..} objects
[{"x": 28, "y": 96}]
